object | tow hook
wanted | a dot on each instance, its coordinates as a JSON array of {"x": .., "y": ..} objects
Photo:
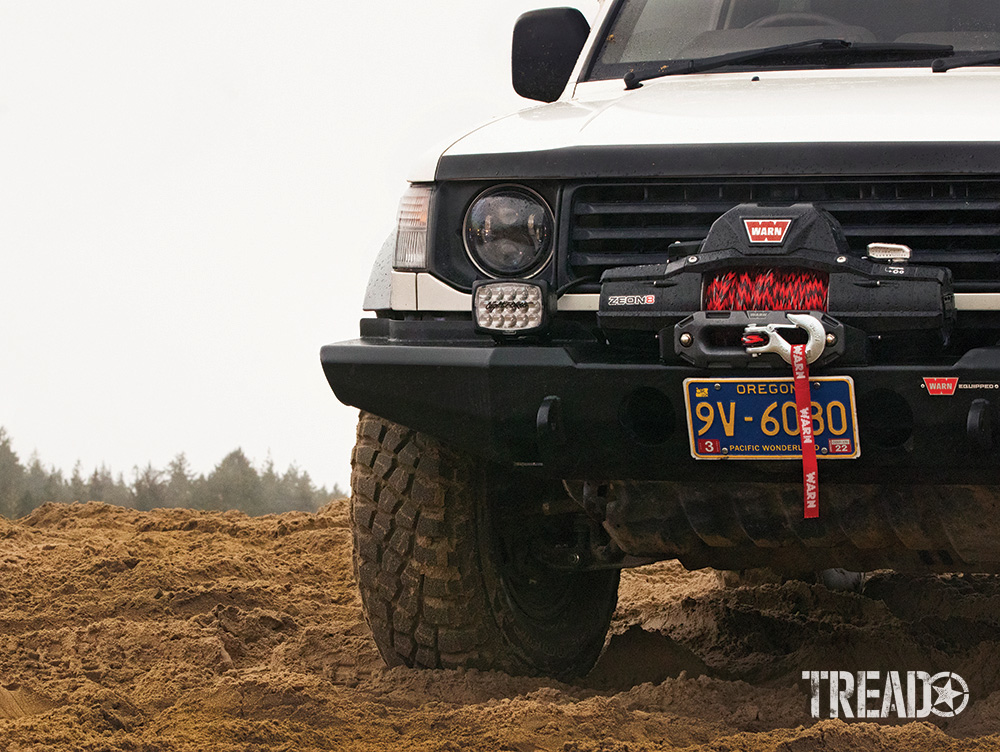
[{"x": 766, "y": 338}]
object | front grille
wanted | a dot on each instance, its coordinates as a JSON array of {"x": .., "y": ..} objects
[{"x": 947, "y": 222}]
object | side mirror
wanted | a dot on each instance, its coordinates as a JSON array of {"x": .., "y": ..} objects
[{"x": 546, "y": 46}]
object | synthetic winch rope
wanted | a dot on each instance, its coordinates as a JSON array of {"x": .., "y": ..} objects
[{"x": 767, "y": 290}]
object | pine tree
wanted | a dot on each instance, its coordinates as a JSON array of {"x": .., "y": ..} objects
[
  {"x": 148, "y": 489},
  {"x": 42, "y": 485},
  {"x": 180, "y": 482},
  {"x": 77, "y": 486},
  {"x": 11, "y": 477},
  {"x": 119, "y": 493},
  {"x": 98, "y": 484},
  {"x": 234, "y": 484},
  {"x": 303, "y": 495},
  {"x": 271, "y": 489}
]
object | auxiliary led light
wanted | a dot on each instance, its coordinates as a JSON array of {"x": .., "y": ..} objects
[{"x": 508, "y": 307}]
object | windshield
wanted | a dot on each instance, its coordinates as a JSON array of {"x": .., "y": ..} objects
[{"x": 646, "y": 34}]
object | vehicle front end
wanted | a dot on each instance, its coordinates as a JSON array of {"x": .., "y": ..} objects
[{"x": 610, "y": 293}]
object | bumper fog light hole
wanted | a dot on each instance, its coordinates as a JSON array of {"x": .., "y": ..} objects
[{"x": 647, "y": 415}]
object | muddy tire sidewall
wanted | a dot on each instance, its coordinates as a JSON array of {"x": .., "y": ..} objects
[{"x": 439, "y": 587}]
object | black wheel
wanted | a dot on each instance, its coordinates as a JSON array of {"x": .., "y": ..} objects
[
  {"x": 843, "y": 579},
  {"x": 445, "y": 578}
]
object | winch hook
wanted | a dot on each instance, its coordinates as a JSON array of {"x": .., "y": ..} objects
[{"x": 766, "y": 338}]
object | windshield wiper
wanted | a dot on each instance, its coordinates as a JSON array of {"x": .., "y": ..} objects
[
  {"x": 697, "y": 65},
  {"x": 989, "y": 58}
]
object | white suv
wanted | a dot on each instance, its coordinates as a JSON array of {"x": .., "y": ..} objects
[{"x": 731, "y": 296}]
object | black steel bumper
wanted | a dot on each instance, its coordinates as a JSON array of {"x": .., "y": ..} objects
[{"x": 576, "y": 410}]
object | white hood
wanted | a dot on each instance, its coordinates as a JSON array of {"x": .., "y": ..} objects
[{"x": 829, "y": 106}]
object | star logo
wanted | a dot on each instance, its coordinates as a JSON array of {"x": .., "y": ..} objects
[{"x": 951, "y": 694}]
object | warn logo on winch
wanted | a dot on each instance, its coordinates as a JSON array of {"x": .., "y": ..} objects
[{"x": 767, "y": 230}]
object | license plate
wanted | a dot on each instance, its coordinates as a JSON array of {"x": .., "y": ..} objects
[{"x": 755, "y": 419}]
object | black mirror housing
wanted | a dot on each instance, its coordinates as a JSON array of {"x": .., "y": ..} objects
[{"x": 546, "y": 46}]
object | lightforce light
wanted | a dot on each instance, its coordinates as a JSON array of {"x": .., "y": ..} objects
[{"x": 510, "y": 307}]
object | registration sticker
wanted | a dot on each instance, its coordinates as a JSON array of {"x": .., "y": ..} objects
[{"x": 756, "y": 419}]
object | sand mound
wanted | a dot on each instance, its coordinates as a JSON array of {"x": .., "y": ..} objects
[{"x": 182, "y": 630}]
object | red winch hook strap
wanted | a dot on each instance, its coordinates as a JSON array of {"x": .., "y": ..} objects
[{"x": 803, "y": 407}]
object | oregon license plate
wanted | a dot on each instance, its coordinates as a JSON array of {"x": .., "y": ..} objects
[{"x": 755, "y": 419}]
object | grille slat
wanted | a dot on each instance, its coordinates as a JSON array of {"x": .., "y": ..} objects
[
  {"x": 608, "y": 260},
  {"x": 947, "y": 221},
  {"x": 651, "y": 208},
  {"x": 937, "y": 205},
  {"x": 641, "y": 233},
  {"x": 917, "y": 231}
]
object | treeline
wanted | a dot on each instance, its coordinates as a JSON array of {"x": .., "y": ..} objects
[{"x": 234, "y": 484}]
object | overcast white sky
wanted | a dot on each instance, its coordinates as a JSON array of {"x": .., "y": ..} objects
[{"x": 191, "y": 195}]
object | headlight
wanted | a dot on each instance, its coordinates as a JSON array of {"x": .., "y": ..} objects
[{"x": 508, "y": 232}]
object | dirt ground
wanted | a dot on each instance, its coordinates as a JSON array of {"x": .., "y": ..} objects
[{"x": 181, "y": 630}]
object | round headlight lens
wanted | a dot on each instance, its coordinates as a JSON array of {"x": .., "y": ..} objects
[{"x": 508, "y": 232}]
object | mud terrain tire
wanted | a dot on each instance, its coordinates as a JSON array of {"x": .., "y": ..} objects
[{"x": 438, "y": 588}]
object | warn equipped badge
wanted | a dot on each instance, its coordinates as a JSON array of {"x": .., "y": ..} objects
[
  {"x": 943, "y": 386},
  {"x": 767, "y": 230}
]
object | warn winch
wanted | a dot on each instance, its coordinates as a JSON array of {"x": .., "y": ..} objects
[{"x": 757, "y": 265}]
